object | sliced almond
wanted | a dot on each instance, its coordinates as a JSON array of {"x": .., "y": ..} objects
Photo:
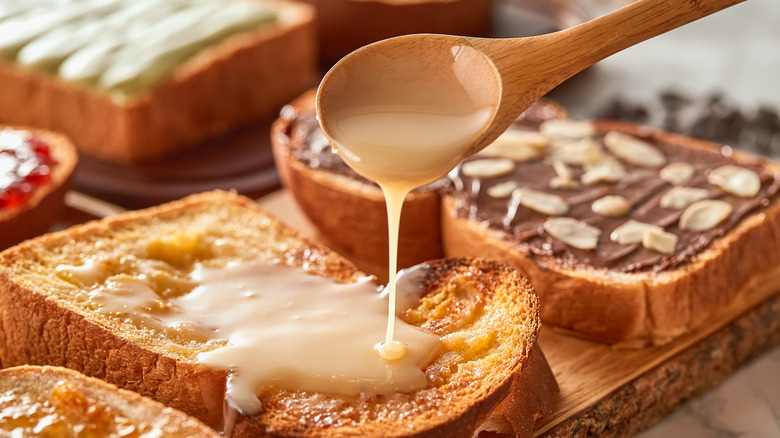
[
  {"x": 557, "y": 182},
  {"x": 567, "y": 128},
  {"x": 502, "y": 190},
  {"x": 545, "y": 203},
  {"x": 612, "y": 206},
  {"x": 661, "y": 241},
  {"x": 488, "y": 167},
  {"x": 736, "y": 180},
  {"x": 562, "y": 170},
  {"x": 573, "y": 232},
  {"x": 577, "y": 152},
  {"x": 704, "y": 215},
  {"x": 681, "y": 197},
  {"x": 606, "y": 169},
  {"x": 631, "y": 232},
  {"x": 564, "y": 178},
  {"x": 676, "y": 173},
  {"x": 517, "y": 145},
  {"x": 633, "y": 150}
]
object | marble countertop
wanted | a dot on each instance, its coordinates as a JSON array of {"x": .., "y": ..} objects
[{"x": 735, "y": 52}]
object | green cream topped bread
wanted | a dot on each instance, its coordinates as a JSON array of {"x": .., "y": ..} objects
[
  {"x": 120, "y": 47},
  {"x": 133, "y": 81}
]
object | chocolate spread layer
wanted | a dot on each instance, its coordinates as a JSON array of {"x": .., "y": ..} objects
[{"x": 642, "y": 188}]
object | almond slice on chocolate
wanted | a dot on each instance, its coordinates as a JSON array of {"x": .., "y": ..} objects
[
  {"x": 573, "y": 232},
  {"x": 634, "y": 150},
  {"x": 660, "y": 241},
  {"x": 611, "y": 206},
  {"x": 676, "y": 173},
  {"x": 631, "y": 231},
  {"x": 705, "y": 215},
  {"x": 681, "y": 197},
  {"x": 502, "y": 189},
  {"x": 577, "y": 152},
  {"x": 564, "y": 177},
  {"x": 488, "y": 167},
  {"x": 736, "y": 180},
  {"x": 545, "y": 203},
  {"x": 517, "y": 145},
  {"x": 567, "y": 128},
  {"x": 605, "y": 169}
]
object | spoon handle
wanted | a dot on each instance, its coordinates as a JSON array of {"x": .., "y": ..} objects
[{"x": 560, "y": 55}]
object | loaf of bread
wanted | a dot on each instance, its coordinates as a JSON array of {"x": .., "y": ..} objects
[
  {"x": 329, "y": 192},
  {"x": 58, "y": 402},
  {"x": 61, "y": 305},
  {"x": 35, "y": 173},
  {"x": 345, "y": 25},
  {"x": 135, "y": 81},
  {"x": 629, "y": 234}
]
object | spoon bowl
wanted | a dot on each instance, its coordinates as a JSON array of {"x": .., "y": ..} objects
[
  {"x": 460, "y": 81},
  {"x": 453, "y": 75}
]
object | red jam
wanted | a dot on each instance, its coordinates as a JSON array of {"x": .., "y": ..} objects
[{"x": 25, "y": 164}]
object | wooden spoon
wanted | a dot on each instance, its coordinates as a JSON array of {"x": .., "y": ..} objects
[{"x": 453, "y": 74}]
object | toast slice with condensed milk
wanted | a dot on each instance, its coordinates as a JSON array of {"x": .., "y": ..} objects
[{"x": 162, "y": 302}]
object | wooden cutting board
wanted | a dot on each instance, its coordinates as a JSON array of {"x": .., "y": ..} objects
[{"x": 609, "y": 391}]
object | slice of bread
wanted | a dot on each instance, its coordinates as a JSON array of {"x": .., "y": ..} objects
[
  {"x": 486, "y": 315},
  {"x": 245, "y": 77},
  {"x": 623, "y": 292},
  {"x": 38, "y": 212},
  {"x": 329, "y": 193},
  {"x": 345, "y": 25},
  {"x": 55, "y": 401}
]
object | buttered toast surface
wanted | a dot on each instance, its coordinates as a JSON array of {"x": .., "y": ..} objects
[{"x": 485, "y": 315}]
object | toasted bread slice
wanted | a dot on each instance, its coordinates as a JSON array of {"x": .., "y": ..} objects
[
  {"x": 345, "y": 25},
  {"x": 247, "y": 76},
  {"x": 55, "y": 401},
  {"x": 37, "y": 213},
  {"x": 632, "y": 293},
  {"x": 329, "y": 193},
  {"x": 485, "y": 313}
]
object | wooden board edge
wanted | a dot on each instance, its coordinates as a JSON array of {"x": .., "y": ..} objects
[{"x": 655, "y": 394}]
